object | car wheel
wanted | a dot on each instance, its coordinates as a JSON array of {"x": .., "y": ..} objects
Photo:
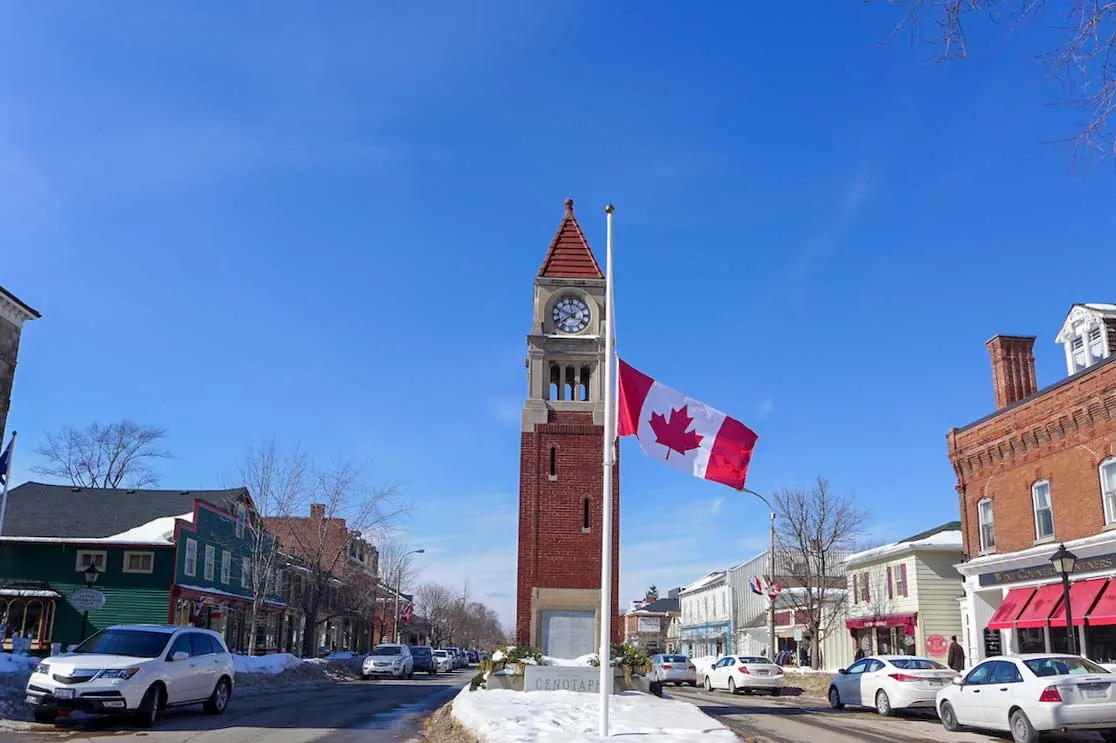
[
  {"x": 732, "y": 686},
  {"x": 948, "y": 717},
  {"x": 776, "y": 692},
  {"x": 835, "y": 698},
  {"x": 148, "y": 712},
  {"x": 708, "y": 684},
  {"x": 219, "y": 699},
  {"x": 1021, "y": 729},
  {"x": 45, "y": 716},
  {"x": 883, "y": 704},
  {"x": 692, "y": 684}
]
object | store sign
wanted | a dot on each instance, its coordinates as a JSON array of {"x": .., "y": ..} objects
[
  {"x": 1046, "y": 571},
  {"x": 648, "y": 624},
  {"x": 86, "y": 599},
  {"x": 936, "y": 646},
  {"x": 993, "y": 643}
]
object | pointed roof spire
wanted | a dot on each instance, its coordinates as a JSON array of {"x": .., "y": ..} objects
[{"x": 570, "y": 256}]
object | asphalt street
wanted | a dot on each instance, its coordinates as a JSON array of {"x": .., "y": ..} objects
[
  {"x": 809, "y": 720},
  {"x": 378, "y": 711}
]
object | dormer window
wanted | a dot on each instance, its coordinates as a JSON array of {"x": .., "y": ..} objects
[{"x": 1088, "y": 335}]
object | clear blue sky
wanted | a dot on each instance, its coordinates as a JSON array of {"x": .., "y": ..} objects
[{"x": 323, "y": 223}]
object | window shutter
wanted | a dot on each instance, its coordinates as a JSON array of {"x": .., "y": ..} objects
[
  {"x": 867, "y": 587},
  {"x": 890, "y": 590},
  {"x": 903, "y": 575},
  {"x": 856, "y": 588}
]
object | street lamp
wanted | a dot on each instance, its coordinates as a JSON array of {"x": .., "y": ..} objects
[
  {"x": 398, "y": 588},
  {"x": 771, "y": 577},
  {"x": 90, "y": 574},
  {"x": 1064, "y": 562}
]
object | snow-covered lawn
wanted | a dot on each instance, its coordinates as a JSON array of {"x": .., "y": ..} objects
[
  {"x": 271, "y": 665},
  {"x": 503, "y": 716}
]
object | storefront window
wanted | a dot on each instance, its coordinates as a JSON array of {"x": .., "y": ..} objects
[
  {"x": 1031, "y": 640},
  {"x": 1100, "y": 643},
  {"x": 1059, "y": 642}
]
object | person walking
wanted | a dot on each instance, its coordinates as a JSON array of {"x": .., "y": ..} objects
[{"x": 956, "y": 657}]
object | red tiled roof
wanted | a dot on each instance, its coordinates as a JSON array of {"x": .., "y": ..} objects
[{"x": 570, "y": 256}]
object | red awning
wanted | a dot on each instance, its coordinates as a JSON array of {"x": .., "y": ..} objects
[
  {"x": 891, "y": 620},
  {"x": 1105, "y": 610},
  {"x": 1082, "y": 595},
  {"x": 1041, "y": 606},
  {"x": 1013, "y": 604}
]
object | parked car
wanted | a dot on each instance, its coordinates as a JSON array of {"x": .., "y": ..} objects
[
  {"x": 474, "y": 656},
  {"x": 424, "y": 658},
  {"x": 444, "y": 661},
  {"x": 456, "y": 654},
  {"x": 672, "y": 669},
  {"x": 136, "y": 670},
  {"x": 1029, "y": 695},
  {"x": 391, "y": 659},
  {"x": 889, "y": 682},
  {"x": 745, "y": 672}
]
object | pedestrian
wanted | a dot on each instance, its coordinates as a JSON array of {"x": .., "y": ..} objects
[
  {"x": 956, "y": 657},
  {"x": 859, "y": 654}
]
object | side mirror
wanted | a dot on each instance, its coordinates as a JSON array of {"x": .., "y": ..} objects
[
  {"x": 842, "y": 671},
  {"x": 180, "y": 655},
  {"x": 70, "y": 648},
  {"x": 958, "y": 681}
]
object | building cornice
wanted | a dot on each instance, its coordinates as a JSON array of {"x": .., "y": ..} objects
[{"x": 15, "y": 311}]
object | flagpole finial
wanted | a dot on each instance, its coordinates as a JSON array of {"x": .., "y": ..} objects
[
  {"x": 609, "y": 208},
  {"x": 569, "y": 206}
]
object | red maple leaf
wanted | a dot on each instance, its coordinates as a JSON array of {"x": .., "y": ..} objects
[{"x": 673, "y": 434}]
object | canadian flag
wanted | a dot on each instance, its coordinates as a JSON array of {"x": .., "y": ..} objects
[{"x": 682, "y": 432}]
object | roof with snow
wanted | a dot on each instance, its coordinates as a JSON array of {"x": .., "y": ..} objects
[
  {"x": 660, "y": 606},
  {"x": 944, "y": 537},
  {"x": 714, "y": 577},
  {"x": 62, "y": 511},
  {"x": 569, "y": 255}
]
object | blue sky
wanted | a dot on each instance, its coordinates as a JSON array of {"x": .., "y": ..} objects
[{"x": 322, "y": 223}]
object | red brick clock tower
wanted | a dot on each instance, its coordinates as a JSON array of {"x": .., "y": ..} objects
[{"x": 561, "y": 456}]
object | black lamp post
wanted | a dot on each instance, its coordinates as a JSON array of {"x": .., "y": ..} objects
[
  {"x": 1064, "y": 562},
  {"x": 91, "y": 574}
]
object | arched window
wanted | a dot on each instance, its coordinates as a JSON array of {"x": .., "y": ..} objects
[
  {"x": 987, "y": 525},
  {"x": 1044, "y": 511},
  {"x": 1108, "y": 488}
]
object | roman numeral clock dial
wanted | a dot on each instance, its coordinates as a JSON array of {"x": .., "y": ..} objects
[{"x": 570, "y": 315}]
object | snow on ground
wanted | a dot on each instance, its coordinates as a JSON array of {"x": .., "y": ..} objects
[
  {"x": 272, "y": 665},
  {"x": 504, "y": 716},
  {"x": 14, "y": 672},
  {"x": 581, "y": 660}
]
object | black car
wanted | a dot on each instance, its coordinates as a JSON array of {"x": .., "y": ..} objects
[
  {"x": 474, "y": 656},
  {"x": 424, "y": 659}
]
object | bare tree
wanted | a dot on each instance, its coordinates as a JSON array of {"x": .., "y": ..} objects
[
  {"x": 342, "y": 507},
  {"x": 103, "y": 456},
  {"x": 816, "y": 530},
  {"x": 1084, "y": 59},
  {"x": 435, "y": 602},
  {"x": 397, "y": 571},
  {"x": 276, "y": 481}
]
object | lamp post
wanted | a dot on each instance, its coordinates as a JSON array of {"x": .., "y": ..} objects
[
  {"x": 398, "y": 588},
  {"x": 91, "y": 574},
  {"x": 770, "y": 577},
  {"x": 1064, "y": 562}
]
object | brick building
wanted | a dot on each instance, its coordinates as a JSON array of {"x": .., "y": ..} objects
[
  {"x": 13, "y": 315},
  {"x": 1038, "y": 472},
  {"x": 561, "y": 456},
  {"x": 647, "y": 623}
]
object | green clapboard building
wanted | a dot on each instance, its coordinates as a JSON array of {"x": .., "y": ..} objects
[{"x": 54, "y": 533}]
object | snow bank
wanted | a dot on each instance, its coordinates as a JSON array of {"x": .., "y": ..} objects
[
  {"x": 17, "y": 663},
  {"x": 582, "y": 660},
  {"x": 14, "y": 672},
  {"x": 504, "y": 716},
  {"x": 703, "y": 663},
  {"x": 340, "y": 655},
  {"x": 271, "y": 665}
]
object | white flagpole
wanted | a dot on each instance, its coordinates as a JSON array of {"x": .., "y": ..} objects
[
  {"x": 7, "y": 479},
  {"x": 605, "y": 654}
]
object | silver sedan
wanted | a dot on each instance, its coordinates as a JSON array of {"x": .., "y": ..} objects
[{"x": 672, "y": 669}]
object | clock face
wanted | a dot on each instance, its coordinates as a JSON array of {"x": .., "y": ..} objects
[{"x": 570, "y": 315}]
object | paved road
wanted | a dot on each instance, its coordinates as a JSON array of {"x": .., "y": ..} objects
[
  {"x": 808, "y": 720},
  {"x": 385, "y": 711}
]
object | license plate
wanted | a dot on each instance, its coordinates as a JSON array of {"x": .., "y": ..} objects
[
  {"x": 1099, "y": 691},
  {"x": 761, "y": 673},
  {"x": 937, "y": 682},
  {"x": 64, "y": 693}
]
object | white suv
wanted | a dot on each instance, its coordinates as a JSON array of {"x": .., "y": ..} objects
[
  {"x": 392, "y": 659},
  {"x": 136, "y": 670}
]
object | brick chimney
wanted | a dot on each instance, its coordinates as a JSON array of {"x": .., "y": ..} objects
[
  {"x": 317, "y": 511},
  {"x": 1013, "y": 368}
]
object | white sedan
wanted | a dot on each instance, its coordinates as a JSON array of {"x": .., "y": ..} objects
[
  {"x": 745, "y": 672},
  {"x": 443, "y": 660},
  {"x": 889, "y": 682},
  {"x": 1029, "y": 695}
]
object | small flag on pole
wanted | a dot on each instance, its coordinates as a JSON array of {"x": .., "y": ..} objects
[
  {"x": 683, "y": 432},
  {"x": 757, "y": 585}
]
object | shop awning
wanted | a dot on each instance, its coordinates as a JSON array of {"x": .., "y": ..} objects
[
  {"x": 890, "y": 620},
  {"x": 1105, "y": 610},
  {"x": 1013, "y": 604},
  {"x": 1082, "y": 595},
  {"x": 1042, "y": 605}
]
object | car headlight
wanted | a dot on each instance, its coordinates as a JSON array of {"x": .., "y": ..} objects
[
  {"x": 118, "y": 673},
  {"x": 42, "y": 668}
]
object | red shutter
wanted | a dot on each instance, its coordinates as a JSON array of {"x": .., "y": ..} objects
[
  {"x": 890, "y": 590},
  {"x": 903, "y": 575}
]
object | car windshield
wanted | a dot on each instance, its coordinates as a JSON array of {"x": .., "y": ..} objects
[
  {"x": 441, "y": 653},
  {"x": 420, "y": 651},
  {"x": 1062, "y": 666},
  {"x": 131, "y": 642},
  {"x": 387, "y": 650},
  {"x": 917, "y": 664},
  {"x": 675, "y": 659}
]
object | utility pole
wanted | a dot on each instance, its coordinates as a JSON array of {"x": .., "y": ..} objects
[{"x": 771, "y": 640}]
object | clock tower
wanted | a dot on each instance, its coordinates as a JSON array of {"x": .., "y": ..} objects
[{"x": 562, "y": 454}]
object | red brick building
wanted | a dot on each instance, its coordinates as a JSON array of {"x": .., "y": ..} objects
[
  {"x": 562, "y": 454},
  {"x": 1038, "y": 472}
]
